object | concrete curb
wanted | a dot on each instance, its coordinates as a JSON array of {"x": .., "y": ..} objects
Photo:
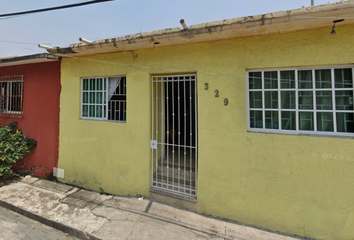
[{"x": 59, "y": 226}]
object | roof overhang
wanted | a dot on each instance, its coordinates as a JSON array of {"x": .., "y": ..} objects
[
  {"x": 35, "y": 58},
  {"x": 277, "y": 22}
]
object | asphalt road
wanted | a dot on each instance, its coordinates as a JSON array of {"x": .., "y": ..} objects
[{"x": 17, "y": 227}]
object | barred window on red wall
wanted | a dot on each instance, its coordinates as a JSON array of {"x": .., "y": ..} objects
[{"x": 11, "y": 94}]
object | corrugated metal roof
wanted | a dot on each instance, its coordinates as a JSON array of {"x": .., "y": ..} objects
[{"x": 35, "y": 58}]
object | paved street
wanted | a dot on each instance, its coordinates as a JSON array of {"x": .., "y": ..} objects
[{"x": 15, "y": 226}]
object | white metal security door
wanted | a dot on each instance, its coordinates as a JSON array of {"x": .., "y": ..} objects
[{"x": 174, "y": 141}]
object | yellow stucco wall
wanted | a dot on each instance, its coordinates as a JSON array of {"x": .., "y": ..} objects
[{"x": 296, "y": 184}]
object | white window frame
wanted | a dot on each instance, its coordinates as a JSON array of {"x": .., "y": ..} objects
[
  {"x": 7, "y": 83},
  {"x": 105, "y": 100},
  {"x": 315, "y": 132}
]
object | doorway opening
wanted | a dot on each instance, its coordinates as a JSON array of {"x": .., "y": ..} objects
[{"x": 174, "y": 133}]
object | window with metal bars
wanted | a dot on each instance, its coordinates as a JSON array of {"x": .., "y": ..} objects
[
  {"x": 11, "y": 95},
  {"x": 315, "y": 101},
  {"x": 104, "y": 98}
]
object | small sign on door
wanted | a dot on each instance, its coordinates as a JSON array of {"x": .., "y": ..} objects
[{"x": 153, "y": 144}]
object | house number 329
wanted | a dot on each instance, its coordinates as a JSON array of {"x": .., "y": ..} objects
[
  {"x": 206, "y": 87},
  {"x": 216, "y": 93},
  {"x": 226, "y": 101}
]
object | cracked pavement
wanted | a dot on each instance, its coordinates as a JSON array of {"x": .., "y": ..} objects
[{"x": 90, "y": 215}]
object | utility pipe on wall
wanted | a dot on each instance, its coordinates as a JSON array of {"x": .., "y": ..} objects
[
  {"x": 184, "y": 25},
  {"x": 85, "y": 40},
  {"x": 45, "y": 47}
]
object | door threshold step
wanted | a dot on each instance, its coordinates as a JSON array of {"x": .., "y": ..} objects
[{"x": 175, "y": 199}]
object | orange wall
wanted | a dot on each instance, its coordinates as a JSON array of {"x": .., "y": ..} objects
[{"x": 40, "y": 119}]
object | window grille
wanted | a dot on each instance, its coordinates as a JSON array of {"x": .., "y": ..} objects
[
  {"x": 315, "y": 101},
  {"x": 11, "y": 95},
  {"x": 104, "y": 98}
]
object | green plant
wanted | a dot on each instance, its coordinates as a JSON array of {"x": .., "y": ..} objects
[
  {"x": 13, "y": 146},
  {"x": 101, "y": 190}
]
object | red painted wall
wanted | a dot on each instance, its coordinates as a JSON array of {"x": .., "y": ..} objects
[{"x": 40, "y": 119}]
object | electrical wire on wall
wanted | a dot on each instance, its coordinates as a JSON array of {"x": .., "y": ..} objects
[{"x": 180, "y": 70}]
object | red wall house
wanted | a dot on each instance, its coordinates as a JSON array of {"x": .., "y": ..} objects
[{"x": 40, "y": 110}]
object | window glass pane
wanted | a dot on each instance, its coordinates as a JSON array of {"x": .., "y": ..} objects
[
  {"x": 287, "y": 79},
  {"x": 92, "y": 84},
  {"x": 104, "y": 97},
  {"x": 110, "y": 108},
  {"x": 104, "y": 111},
  {"x": 325, "y": 121},
  {"x": 256, "y": 119},
  {"x": 105, "y": 83},
  {"x": 99, "y": 97},
  {"x": 344, "y": 100},
  {"x": 305, "y": 79},
  {"x": 271, "y": 80},
  {"x": 92, "y": 111},
  {"x": 255, "y": 80},
  {"x": 92, "y": 97},
  {"x": 99, "y": 84},
  {"x": 306, "y": 121},
  {"x": 85, "y": 97},
  {"x": 323, "y": 78},
  {"x": 324, "y": 100},
  {"x": 85, "y": 84},
  {"x": 271, "y": 99},
  {"x": 255, "y": 99},
  {"x": 288, "y": 120},
  {"x": 85, "y": 111},
  {"x": 11, "y": 100},
  {"x": 288, "y": 99},
  {"x": 345, "y": 122},
  {"x": 305, "y": 100},
  {"x": 99, "y": 111},
  {"x": 343, "y": 78},
  {"x": 271, "y": 120}
]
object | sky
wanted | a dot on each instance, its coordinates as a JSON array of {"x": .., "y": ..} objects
[{"x": 20, "y": 35}]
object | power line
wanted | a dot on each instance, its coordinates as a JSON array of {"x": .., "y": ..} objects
[
  {"x": 54, "y": 8},
  {"x": 7, "y": 41}
]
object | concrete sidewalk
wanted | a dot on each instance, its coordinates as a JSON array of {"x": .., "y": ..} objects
[{"x": 90, "y": 215}]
